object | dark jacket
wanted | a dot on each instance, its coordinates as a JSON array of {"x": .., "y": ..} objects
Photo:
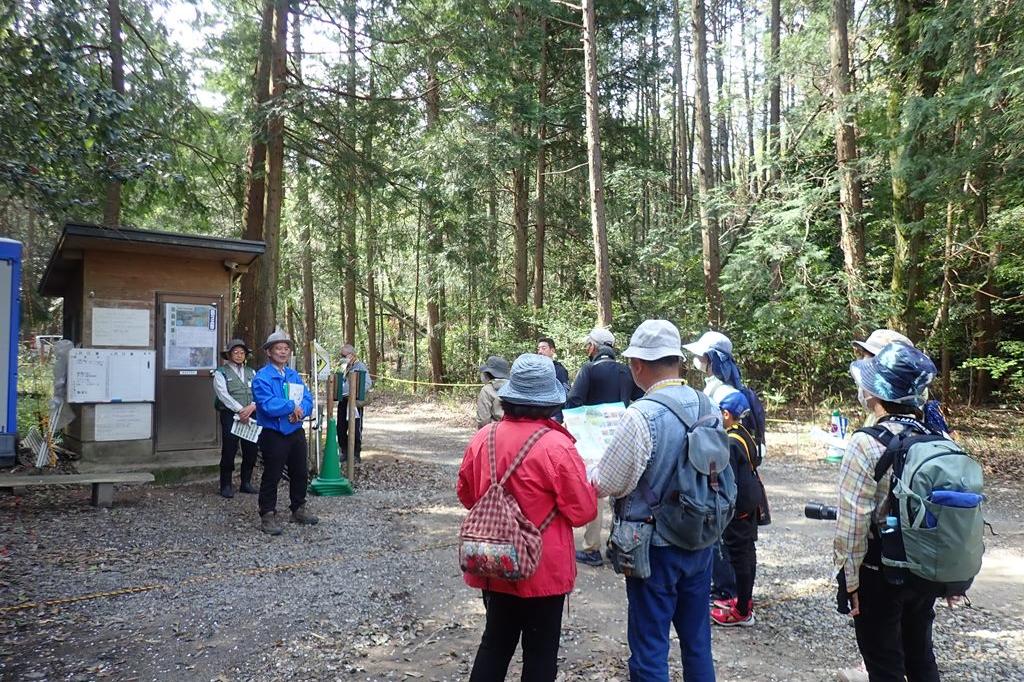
[
  {"x": 748, "y": 491},
  {"x": 603, "y": 380},
  {"x": 562, "y": 374}
]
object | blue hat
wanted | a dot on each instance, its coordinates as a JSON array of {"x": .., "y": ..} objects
[
  {"x": 898, "y": 374},
  {"x": 736, "y": 403},
  {"x": 533, "y": 382}
]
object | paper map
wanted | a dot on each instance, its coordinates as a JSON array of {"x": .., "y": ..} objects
[{"x": 592, "y": 426}]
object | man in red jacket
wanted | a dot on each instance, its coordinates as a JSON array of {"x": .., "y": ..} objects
[{"x": 552, "y": 476}]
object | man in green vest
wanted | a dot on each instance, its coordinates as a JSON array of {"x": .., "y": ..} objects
[{"x": 232, "y": 384}]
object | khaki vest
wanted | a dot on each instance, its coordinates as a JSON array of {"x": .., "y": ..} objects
[{"x": 237, "y": 389}]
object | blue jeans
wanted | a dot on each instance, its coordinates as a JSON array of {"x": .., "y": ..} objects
[{"x": 676, "y": 594}]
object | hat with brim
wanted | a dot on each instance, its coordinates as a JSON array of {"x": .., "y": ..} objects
[
  {"x": 898, "y": 373},
  {"x": 710, "y": 341},
  {"x": 735, "y": 402},
  {"x": 279, "y": 336},
  {"x": 496, "y": 366},
  {"x": 599, "y": 336},
  {"x": 653, "y": 340},
  {"x": 879, "y": 338},
  {"x": 233, "y": 344},
  {"x": 533, "y": 382}
]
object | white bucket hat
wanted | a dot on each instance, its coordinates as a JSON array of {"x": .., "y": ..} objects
[
  {"x": 880, "y": 338},
  {"x": 709, "y": 341},
  {"x": 653, "y": 340}
]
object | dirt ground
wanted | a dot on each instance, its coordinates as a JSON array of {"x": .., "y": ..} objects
[{"x": 179, "y": 583}]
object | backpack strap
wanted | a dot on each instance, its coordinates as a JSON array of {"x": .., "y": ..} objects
[
  {"x": 890, "y": 440},
  {"x": 520, "y": 456},
  {"x": 739, "y": 439},
  {"x": 705, "y": 412}
]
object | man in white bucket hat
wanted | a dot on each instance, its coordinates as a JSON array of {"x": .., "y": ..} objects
[{"x": 677, "y": 591}]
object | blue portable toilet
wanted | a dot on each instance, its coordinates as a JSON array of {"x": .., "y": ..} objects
[{"x": 10, "y": 317}]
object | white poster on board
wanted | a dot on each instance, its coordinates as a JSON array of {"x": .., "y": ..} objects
[
  {"x": 123, "y": 421},
  {"x": 190, "y": 336},
  {"x": 102, "y": 375},
  {"x": 120, "y": 327}
]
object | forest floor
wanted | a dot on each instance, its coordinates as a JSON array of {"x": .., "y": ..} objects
[{"x": 180, "y": 583}]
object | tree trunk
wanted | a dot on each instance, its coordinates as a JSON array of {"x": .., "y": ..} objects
[
  {"x": 721, "y": 126},
  {"x": 302, "y": 202},
  {"x": 520, "y": 216},
  {"x": 751, "y": 173},
  {"x": 851, "y": 226},
  {"x": 351, "y": 251},
  {"x": 112, "y": 204},
  {"x": 705, "y": 170},
  {"x": 255, "y": 180},
  {"x": 266, "y": 309},
  {"x": 679, "y": 108},
  {"x": 775, "y": 92},
  {"x": 597, "y": 217},
  {"x": 520, "y": 190},
  {"x": 435, "y": 333},
  {"x": 371, "y": 241},
  {"x": 908, "y": 211},
  {"x": 539, "y": 208}
]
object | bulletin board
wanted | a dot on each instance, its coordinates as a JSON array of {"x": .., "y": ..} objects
[{"x": 110, "y": 376}]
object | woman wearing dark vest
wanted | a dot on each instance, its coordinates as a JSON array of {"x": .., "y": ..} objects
[{"x": 232, "y": 384}]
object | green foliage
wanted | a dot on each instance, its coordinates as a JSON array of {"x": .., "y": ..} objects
[{"x": 937, "y": 106}]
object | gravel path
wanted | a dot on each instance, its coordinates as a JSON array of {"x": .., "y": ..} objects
[{"x": 374, "y": 591}]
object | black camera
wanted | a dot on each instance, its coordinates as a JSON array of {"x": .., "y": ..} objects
[{"x": 819, "y": 511}]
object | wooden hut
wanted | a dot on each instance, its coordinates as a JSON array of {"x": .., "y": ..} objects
[{"x": 149, "y": 313}]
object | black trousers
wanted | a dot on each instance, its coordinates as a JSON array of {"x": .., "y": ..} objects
[
  {"x": 894, "y": 630},
  {"x": 343, "y": 431},
  {"x": 229, "y": 443},
  {"x": 739, "y": 538},
  {"x": 278, "y": 451},
  {"x": 537, "y": 619}
]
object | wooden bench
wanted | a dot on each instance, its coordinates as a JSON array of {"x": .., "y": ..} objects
[{"x": 102, "y": 484}]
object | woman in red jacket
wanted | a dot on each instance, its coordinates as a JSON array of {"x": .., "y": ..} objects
[{"x": 552, "y": 476}]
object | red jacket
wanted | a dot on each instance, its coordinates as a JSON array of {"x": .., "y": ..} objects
[{"x": 551, "y": 474}]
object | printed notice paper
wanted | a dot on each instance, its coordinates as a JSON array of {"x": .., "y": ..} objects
[
  {"x": 120, "y": 327},
  {"x": 592, "y": 426},
  {"x": 295, "y": 393},
  {"x": 249, "y": 432}
]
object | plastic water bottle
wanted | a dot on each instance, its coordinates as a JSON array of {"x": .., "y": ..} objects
[{"x": 892, "y": 548}]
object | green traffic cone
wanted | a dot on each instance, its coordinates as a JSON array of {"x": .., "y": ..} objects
[{"x": 330, "y": 482}]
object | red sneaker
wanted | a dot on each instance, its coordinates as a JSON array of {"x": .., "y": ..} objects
[
  {"x": 723, "y": 603},
  {"x": 731, "y": 616}
]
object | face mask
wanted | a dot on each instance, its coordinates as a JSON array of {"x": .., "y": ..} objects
[
  {"x": 700, "y": 363},
  {"x": 862, "y": 397}
]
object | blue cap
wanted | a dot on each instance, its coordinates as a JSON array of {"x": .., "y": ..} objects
[
  {"x": 533, "y": 382},
  {"x": 898, "y": 374},
  {"x": 736, "y": 403}
]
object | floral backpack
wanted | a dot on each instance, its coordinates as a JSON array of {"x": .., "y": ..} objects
[{"x": 496, "y": 540}]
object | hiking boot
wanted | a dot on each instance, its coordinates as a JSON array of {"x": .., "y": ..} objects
[
  {"x": 247, "y": 488},
  {"x": 853, "y": 675},
  {"x": 269, "y": 524},
  {"x": 732, "y": 616},
  {"x": 227, "y": 491},
  {"x": 300, "y": 515},
  {"x": 590, "y": 557}
]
